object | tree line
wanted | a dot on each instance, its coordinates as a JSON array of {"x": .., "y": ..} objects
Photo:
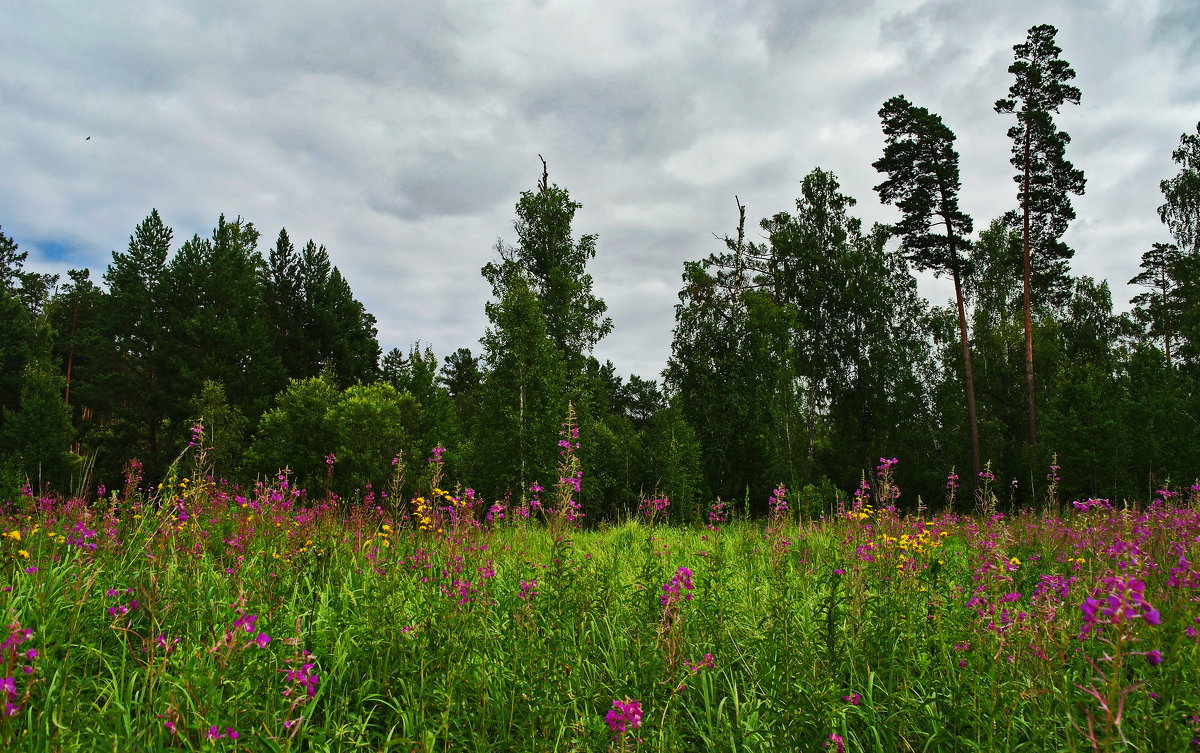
[{"x": 801, "y": 357}]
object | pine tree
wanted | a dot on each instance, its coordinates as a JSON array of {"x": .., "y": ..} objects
[
  {"x": 921, "y": 162},
  {"x": 1159, "y": 309},
  {"x": 284, "y": 299},
  {"x": 1044, "y": 175},
  {"x": 1181, "y": 214},
  {"x": 218, "y": 317},
  {"x": 16, "y": 325}
]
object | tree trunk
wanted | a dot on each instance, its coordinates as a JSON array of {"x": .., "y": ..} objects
[
  {"x": 969, "y": 374},
  {"x": 968, "y": 368},
  {"x": 1028, "y": 274}
]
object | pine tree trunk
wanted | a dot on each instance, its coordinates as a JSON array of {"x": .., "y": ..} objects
[
  {"x": 1028, "y": 274},
  {"x": 969, "y": 375},
  {"x": 968, "y": 368}
]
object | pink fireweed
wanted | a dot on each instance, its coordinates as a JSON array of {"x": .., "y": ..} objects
[
  {"x": 624, "y": 716},
  {"x": 718, "y": 514},
  {"x": 652, "y": 509},
  {"x": 679, "y": 586},
  {"x": 707, "y": 662},
  {"x": 1118, "y": 603}
]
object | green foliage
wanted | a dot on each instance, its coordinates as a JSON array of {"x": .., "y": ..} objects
[
  {"x": 39, "y": 431},
  {"x": 671, "y": 464},
  {"x": 437, "y": 423},
  {"x": 1181, "y": 210},
  {"x": 523, "y": 393},
  {"x": 372, "y": 424},
  {"x": 225, "y": 429},
  {"x": 296, "y": 433},
  {"x": 16, "y": 348}
]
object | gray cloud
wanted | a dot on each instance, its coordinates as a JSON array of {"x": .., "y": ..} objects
[{"x": 400, "y": 135}]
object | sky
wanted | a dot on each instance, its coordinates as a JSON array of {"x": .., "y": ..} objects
[{"x": 401, "y": 134}]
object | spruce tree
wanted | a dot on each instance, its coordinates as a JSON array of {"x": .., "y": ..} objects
[{"x": 136, "y": 387}]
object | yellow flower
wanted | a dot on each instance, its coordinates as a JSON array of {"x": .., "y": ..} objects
[
  {"x": 23, "y": 553},
  {"x": 14, "y": 535},
  {"x": 1014, "y": 561}
]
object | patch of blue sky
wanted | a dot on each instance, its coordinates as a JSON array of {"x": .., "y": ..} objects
[{"x": 53, "y": 250}]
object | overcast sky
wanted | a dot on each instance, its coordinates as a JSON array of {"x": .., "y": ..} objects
[{"x": 400, "y": 134}]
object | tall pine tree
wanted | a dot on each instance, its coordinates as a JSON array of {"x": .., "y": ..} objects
[
  {"x": 921, "y": 162},
  {"x": 1044, "y": 175}
]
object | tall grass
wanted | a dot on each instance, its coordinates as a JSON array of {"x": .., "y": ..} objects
[{"x": 205, "y": 616}]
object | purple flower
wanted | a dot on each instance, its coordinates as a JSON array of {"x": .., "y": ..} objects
[
  {"x": 1116, "y": 600},
  {"x": 1155, "y": 657},
  {"x": 679, "y": 585},
  {"x": 624, "y": 715},
  {"x": 262, "y": 640},
  {"x": 245, "y": 622}
]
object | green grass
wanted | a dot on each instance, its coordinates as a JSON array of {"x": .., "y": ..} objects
[{"x": 422, "y": 642}]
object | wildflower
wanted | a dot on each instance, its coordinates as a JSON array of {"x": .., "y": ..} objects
[
  {"x": 262, "y": 640},
  {"x": 707, "y": 662},
  {"x": 680, "y": 584},
  {"x": 853, "y": 699},
  {"x": 778, "y": 502},
  {"x": 624, "y": 716},
  {"x": 245, "y": 622},
  {"x": 305, "y": 678},
  {"x": 1155, "y": 657},
  {"x": 1125, "y": 600},
  {"x": 836, "y": 742}
]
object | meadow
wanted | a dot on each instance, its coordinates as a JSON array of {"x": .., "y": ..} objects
[{"x": 200, "y": 615}]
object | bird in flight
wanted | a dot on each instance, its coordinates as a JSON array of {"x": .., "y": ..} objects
[{"x": 89, "y": 138}]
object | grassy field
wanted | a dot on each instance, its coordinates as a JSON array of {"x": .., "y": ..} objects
[{"x": 206, "y": 617}]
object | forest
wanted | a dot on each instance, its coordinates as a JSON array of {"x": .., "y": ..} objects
[{"x": 801, "y": 354}]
